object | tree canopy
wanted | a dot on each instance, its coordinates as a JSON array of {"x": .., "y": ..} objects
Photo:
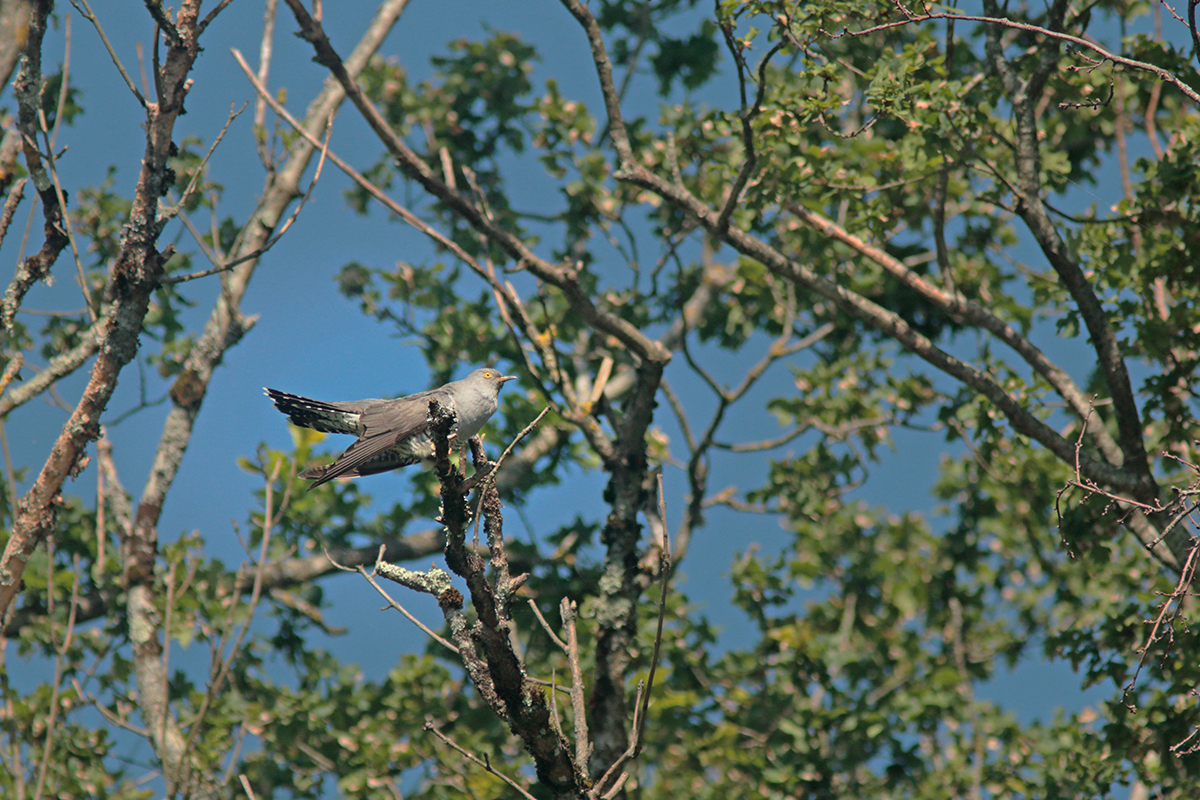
[{"x": 742, "y": 257}]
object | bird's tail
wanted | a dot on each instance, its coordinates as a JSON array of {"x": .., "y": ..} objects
[{"x": 316, "y": 414}]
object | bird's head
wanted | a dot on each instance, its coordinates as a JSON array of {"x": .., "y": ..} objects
[{"x": 490, "y": 377}]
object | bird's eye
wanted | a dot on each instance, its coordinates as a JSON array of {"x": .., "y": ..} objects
[{"x": 487, "y": 374}]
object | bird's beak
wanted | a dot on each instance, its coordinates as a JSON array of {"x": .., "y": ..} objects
[{"x": 506, "y": 378}]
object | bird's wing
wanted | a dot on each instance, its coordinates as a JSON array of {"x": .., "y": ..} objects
[
  {"x": 385, "y": 461},
  {"x": 399, "y": 419},
  {"x": 385, "y": 424},
  {"x": 357, "y": 454}
]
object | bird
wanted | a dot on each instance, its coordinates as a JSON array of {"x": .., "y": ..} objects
[{"x": 392, "y": 433}]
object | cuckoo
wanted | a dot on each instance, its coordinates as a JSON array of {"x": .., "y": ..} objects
[{"x": 392, "y": 433}]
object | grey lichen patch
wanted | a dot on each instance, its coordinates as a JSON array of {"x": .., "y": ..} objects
[
  {"x": 614, "y": 606},
  {"x": 434, "y": 582}
]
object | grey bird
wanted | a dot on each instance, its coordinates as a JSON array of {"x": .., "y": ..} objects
[{"x": 392, "y": 433}]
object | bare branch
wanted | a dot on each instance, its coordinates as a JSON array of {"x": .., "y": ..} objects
[
  {"x": 86, "y": 12},
  {"x": 59, "y": 367},
  {"x": 170, "y": 212},
  {"x": 747, "y": 115},
  {"x": 226, "y": 324},
  {"x": 479, "y": 762},
  {"x": 267, "y": 245},
  {"x": 421, "y": 582},
  {"x": 583, "y": 747},
  {"x": 137, "y": 267},
  {"x": 562, "y": 277},
  {"x": 475, "y": 479}
]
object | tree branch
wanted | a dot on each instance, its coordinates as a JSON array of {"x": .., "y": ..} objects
[
  {"x": 226, "y": 325},
  {"x": 486, "y": 647},
  {"x": 877, "y": 317},
  {"x": 133, "y": 278},
  {"x": 564, "y": 278},
  {"x": 60, "y": 366},
  {"x": 910, "y": 18},
  {"x": 27, "y": 88},
  {"x": 1024, "y": 96}
]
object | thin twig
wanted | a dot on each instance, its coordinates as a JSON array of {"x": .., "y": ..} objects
[
  {"x": 245, "y": 782},
  {"x": 370, "y": 576},
  {"x": 471, "y": 482},
  {"x": 537, "y": 612},
  {"x": 583, "y": 746},
  {"x": 324, "y": 148},
  {"x": 480, "y": 762},
  {"x": 170, "y": 212},
  {"x": 52, "y": 163},
  {"x": 911, "y": 18},
  {"x": 223, "y": 666},
  {"x": 87, "y": 13}
]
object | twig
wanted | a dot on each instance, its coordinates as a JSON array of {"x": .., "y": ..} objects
[
  {"x": 546, "y": 625},
  {"x": 324, "y": 149},
  {"x": 1172, "y": 601},
  {"x": 664, "y": 583},
  {"x": 265, "y": 50},
  {"x": 170, "y": 212},
  {"x": 554, "y": 687},
  {"x": 60, "y": 652},
  {"x": 747, "y": 115},
  {"x": 87, "y": 13},
  {"x": 583, "y": 746},
  {"x": 223, "y": 665},
  {"x": 911, "y": 18},
  {"x": 481, "y": 762},
  {"x": 370, "y": 576},
  {"x": 212, "y": 15},
  {"x": 471, "y": 482},
  {"x": 52, "y": 162},
  {"x": 15, "y": 195}
]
